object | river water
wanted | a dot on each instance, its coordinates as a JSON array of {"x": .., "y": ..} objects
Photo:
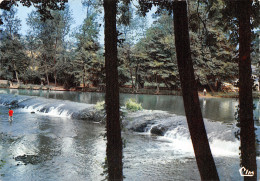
[{"x": 60, "y": 147}]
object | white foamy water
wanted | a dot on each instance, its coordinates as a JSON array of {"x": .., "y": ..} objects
[
  {"x": 57, "y": 111},
  {"x": 179, "y": 141}
]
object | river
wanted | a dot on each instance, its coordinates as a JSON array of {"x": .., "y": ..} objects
[{"x": 45, "y": 142}]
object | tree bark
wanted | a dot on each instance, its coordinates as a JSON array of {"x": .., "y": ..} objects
[
  {"x": 83, "y": 77},
  {"x": 130, "y": 68},
  {"x": 46, "y": 70},
  {"x": 210, "y": 87},
  {"x": 247, "y": 132},
  {"x": 54, "y": 58},
  {"x": 193, "y": 113},
  {"x": 157, "y": 85},
  {"x": 17, "y": 78},
  {"x": 114, "y": 141},
  {"x": 136, "y": 78},
  {"x": 16, "y": 74}
]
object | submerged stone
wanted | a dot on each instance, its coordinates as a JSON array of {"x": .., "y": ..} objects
[
  {"x": 158, "y": 130},
  {"x": 28, "y": 159}
]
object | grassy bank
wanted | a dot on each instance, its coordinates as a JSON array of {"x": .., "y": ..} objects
[{"x": 232, "y": 94}]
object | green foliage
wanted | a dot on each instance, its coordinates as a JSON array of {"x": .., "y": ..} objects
[
  {"x": 100, "y": 105},
  {"x": 88, "y": 64},
  {"x": 132, "y": 105},
  {"x": 156, "y": 54},
  {"x": 12, "y": 52},
  {"x": 47, "y": 47},
  {"x": 146, "y": 56},
  {"x": 4, "y": 86},
  {"x": 2, "y": 163},
  {"x": 212, "y": 53}
]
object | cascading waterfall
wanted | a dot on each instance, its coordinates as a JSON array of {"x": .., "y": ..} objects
[{"x": 174, "y": 131}]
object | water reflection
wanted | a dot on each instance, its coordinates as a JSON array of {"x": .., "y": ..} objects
[{"x": 219, "y": 109}]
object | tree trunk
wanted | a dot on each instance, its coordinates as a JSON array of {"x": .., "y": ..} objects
[
  {"x": 259, "y": 83},
  {"x": 193, "y": 113},
  {"x": 16, "y": 74},
  {"x": 114, "y": 141},
  {"x": 132, "y": 80},
  {"x": 247, "y": 132},
  {"x": 47, "y": 77},
  {"x": 210, "y": 87},
  {"x": 17, "y": 78},
  {"x": 83, "y": 78},
  {"x": 157, "y": 85},
  {"x": 46, "y": 70},
  {"x": 55, "y": 79},
  {"x": 136, "y": 78},
  {"x": 130, "y": 68},
  {"x": 54, "y": 58}
]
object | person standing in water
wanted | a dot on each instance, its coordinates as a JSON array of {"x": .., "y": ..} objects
[
  {"x": 204, "y": 92},
  {"x": 11, "y": 112}
]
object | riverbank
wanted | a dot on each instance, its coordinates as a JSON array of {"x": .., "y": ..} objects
[{"x": 124, "y": 90}]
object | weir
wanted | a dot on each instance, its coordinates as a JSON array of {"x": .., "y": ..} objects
[
  {"x": 156, "y": 140},
  {"x": 51, "y": 107},
  {"x": 169, "y": 127}
]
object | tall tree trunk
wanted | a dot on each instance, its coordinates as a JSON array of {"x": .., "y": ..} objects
[
  {"x": 130, "y": 68},
  {"x": 83, "y": 77},
  {"x": 17, "y": 78},
  {"x": 157, "y": 85},
  {"x": 16, "y": 74},
  {"x": 114, "y": 141},
  {"x": 47, "y": 77},
  {"x": 196, "y": 126},
  {"x": 136, "y": 78},
  {"x": 46, "y": 70},
  {"x": 247, "y": 132},
  {"x": 54, "y": 58},
  {"x": 259, "y": 83}
]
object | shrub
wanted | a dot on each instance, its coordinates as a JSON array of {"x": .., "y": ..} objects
[
  {"x": 4, "y": 86},
  {"x": 100, "y": 105},
  {"x": 23, "y": 86},
  {"x": 132, "y": 105}
]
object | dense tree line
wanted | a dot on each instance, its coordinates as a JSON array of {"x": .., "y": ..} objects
[{"x": 147, "y": 56}]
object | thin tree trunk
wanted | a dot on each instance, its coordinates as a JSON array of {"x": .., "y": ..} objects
[
  {"x": 55, "y": 79},
  {"x": 17, "y": 78},
  {"x": 136, "y": 78},
  {"x": 16, "y": 74},
  {"x": 114, "y": 141},
  {"x": 83, "y": 78},
  {"x": 55, "y": 73},
  {"x": 259, "y": 83},
  {"x": 210, "y": 87},
  {"x": 46, "y": 71},
  {"x": 157, "y": 85},
  {"x": 132, "y": 80},
  {"x": 247, "y": 132},
  {"x": 196, "y": 126},
  {"x": 130, "y": 68},
  {"x": 47, "y": 77}
]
